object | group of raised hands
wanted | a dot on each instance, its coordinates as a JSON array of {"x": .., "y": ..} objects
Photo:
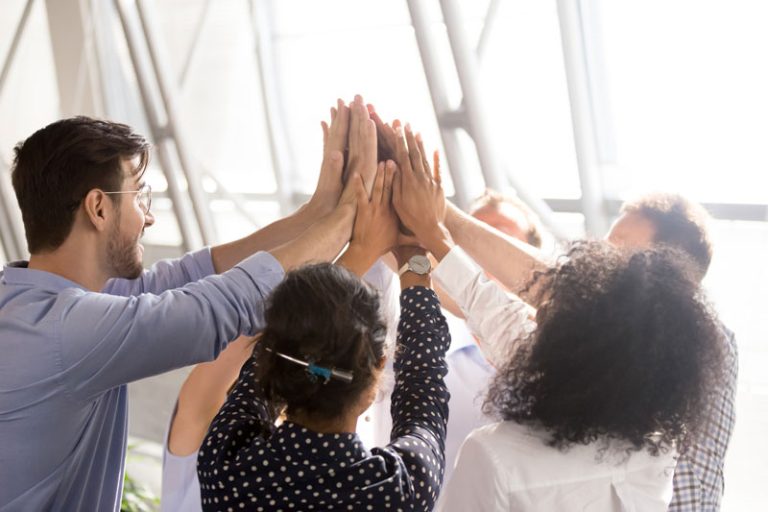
[{"x": 382, "y": 171}]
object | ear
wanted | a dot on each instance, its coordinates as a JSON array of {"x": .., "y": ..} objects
[{"x": 99, "y": 209}]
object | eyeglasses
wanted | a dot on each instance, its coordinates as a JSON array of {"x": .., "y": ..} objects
[{"x": 143, "y": 196}]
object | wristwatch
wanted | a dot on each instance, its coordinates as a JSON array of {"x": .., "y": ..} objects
[{"x": 418, "y": 264}]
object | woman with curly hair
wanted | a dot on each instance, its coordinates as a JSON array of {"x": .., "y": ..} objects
[{"x": 598, "y": 392}]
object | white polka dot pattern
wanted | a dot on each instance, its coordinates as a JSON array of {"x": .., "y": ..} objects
[{"x": 247, "y": 464}]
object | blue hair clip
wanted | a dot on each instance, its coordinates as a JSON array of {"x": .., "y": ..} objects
[{"x": 316, "y": 371}]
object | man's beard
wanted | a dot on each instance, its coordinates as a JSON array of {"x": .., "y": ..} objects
[{"x": 121, "y": 255}]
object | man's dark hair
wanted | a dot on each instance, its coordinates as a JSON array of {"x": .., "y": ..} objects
[
  {"x": 326, "y": 314},
  {"x": 56, "y": 167},
  {"x": 626, "y": 348},
  {"x": 678, "y": 223}
]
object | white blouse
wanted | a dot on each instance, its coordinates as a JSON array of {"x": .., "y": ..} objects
[{"x": 506, "y": 466}]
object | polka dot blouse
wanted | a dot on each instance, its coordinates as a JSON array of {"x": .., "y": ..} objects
[{"x": 245, "y": 463}]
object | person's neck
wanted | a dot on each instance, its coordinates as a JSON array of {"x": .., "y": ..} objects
[
  {"x": 74, "y": 260},
  {"x": 344, "y": 424}
]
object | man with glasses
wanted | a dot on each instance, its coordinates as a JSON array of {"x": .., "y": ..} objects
[{"x": 81, "y": 318}]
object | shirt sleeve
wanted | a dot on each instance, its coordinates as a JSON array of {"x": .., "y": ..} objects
[
  {"x": 165, "y": 275},
  {"x": 497, "y": 318},
  {"x": 108, "y": 340},
  {"x": 475, "y": 483},
  {"x": 420, "y": 397},
  {"x": 699, "y": 482}
]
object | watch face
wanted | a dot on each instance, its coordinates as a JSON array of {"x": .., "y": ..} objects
[{"x": 419, "y": 264}]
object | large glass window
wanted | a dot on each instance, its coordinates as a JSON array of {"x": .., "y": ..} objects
[{"x": 687, "y": 87}]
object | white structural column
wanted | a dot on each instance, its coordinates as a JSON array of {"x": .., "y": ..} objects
[
  {"x": 582, "y": 115},
  {"x": 279, "y": 147},
  {"x": 472, "y": 115},
  {"x": 448, "y": 118},
  {"x": 174, "y": 129},
  {"x": 190, "y": 235},
  {"x": 11, "y": 227},
  {"x": 72, "y": 42}
]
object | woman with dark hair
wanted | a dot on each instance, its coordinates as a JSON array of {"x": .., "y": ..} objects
[
  {"x": 598, "y": 389},
  {"x": 597, "y": 394},
  {"x": 317, "y": 365}
]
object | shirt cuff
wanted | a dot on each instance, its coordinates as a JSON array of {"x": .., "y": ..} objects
[
  {"x": 203, "y": 261},
  {"x": 263, "y": 269},
  {"x": 456, "y": 272}
]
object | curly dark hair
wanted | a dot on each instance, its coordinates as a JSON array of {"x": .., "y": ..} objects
[
  {"x": 626, "y": 348},
  {"x": 324, "y": 313}
]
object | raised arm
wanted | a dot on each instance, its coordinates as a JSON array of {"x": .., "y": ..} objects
[
  {"x": 130, "y": 338},
  {"x": 323, "y": 202},
  {"x": 494, "y": 316},
  {"x": 202, "y": 395},
  {"x": 509, "y": 260},
  {"x": 420, "y": 397}
]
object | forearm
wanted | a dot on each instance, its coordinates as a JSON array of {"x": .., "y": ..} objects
[
  {"x": 497, "y": 318},
  {"x": 420, "y": 367},
  {"x": 227, "y": 255},
  {"x": 511, "y": 261},
  {"x": 321, "y": 242},
  {"x": 202, "y": 395}
]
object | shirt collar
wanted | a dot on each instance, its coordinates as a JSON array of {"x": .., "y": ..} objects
[
  {"x": 19, "y": 273},
  {"x": 332, "y": 450}
]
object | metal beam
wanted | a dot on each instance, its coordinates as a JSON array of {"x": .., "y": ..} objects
[
  {"x": 580, "y": 96},
  {"x": 488, "y": 24},
  {"x": 718, "y": 211},
  {"x": 190, "y": 237},
  {"x": 279, "y": 147},
  {"x": 193, "y": 45},
  {"x": 11, "y": 225},
  {"x": 173, "y": 128},
  {"x": 471, "y": 115},
  {"x": 71, "y": 29},
  {"x": 425, "y": 39},
  {"x": 14, "y": 46}
]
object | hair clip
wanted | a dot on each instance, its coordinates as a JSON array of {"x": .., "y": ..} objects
[{"x": 316, "y": 371}]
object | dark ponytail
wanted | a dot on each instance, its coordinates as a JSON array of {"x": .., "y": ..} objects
[{"x": 324, "y": 314}]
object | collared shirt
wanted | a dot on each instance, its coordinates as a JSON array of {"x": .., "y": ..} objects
[
  {"x": 507, "y": 466},
  {"x": 245, "y": 463},
  {"x": 67, "y": 354},
  {"x": 699, "y": 482}
]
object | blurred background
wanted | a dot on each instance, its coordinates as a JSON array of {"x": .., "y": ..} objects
[{"x": 575, "y": 105}]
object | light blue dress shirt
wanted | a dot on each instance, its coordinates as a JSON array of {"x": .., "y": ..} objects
[{"x": 66, "y": 355}]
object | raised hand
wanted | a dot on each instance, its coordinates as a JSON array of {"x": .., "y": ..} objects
[
  {"x": 376, "y": 228},
  {"x": 418, "y": 193},
  {"x": 362, "y": 157},
  {"x": 329, "y": 183},
  {"x": 385, "y": 135}
]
